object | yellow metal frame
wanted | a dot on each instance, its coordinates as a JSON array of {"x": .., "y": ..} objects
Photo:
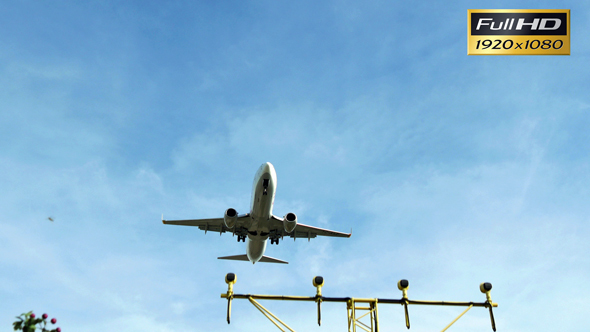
[
  {"x": 366, "y": 307},
  {"x": 354, "y": 321},
  {"x": 274, "y": 319}
]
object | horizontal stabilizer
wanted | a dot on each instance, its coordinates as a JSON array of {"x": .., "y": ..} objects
[
  {"x": 264, "y": 259},
  {"x": 235, "y": 258}
]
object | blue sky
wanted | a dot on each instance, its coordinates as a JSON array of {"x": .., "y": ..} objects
[{"x": 450, "y": 169}]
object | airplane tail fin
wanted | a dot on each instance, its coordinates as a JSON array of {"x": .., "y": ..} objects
[{"x": 264, "y": 259}]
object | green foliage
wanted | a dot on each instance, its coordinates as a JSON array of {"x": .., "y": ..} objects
[{"x": 28, "y": 323}]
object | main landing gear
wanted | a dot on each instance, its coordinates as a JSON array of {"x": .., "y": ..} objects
[
  {"x": 241, "y": 232},
  {"x": 274, "y": 236}
]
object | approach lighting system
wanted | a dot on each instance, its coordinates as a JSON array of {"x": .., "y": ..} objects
[
  {"x": 403, "y": 285},
  {"x": 318, "y": 281},
  {"x": 486, "y": 287},
  {"x": 230, "y": 278},
  {"x": 359, "y": 310}
]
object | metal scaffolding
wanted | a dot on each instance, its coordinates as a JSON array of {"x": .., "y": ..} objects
[{"x": 358, "y": 309}]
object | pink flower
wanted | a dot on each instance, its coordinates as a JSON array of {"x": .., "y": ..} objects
[
  {"x": 58, "y": 329},
  {"x": 32, "y": 315},
  {"x": 53, "y": 320},
  {"x": 44, "y": 316}
]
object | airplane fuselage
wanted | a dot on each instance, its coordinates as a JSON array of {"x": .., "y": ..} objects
[{"x": 263, "y": 197}]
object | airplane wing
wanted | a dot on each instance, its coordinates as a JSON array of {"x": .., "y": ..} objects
[
  {"x": 213, "y": 224},
  {"x": 308, "y": 232}
]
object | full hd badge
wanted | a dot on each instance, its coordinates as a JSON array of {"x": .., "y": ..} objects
[{"x": 518, "y": 32}]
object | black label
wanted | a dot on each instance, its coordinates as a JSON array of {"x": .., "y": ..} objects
[{"x": 519, "y": 24}]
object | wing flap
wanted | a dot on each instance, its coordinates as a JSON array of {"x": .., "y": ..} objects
[
  {"x": 194, "y": 222},
  {"x": 213, "y": 224},
  {"x": 306, "y": 231},
  {"x": 302, "y": 230},
  {"x": 310, "y": 232}
]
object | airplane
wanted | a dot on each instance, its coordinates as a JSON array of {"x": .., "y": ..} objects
[{"x": 260, "y": 224}]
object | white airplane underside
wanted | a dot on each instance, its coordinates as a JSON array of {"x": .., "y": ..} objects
[{"x": 260, "y": 224}]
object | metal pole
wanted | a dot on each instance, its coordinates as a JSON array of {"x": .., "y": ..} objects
[
  {"x": 228, "y": 309},
  {"x": 492, "y": 319},
  {"x": 407, "y": 315},
  {"x": 453, "y": 322},
  {"x": 266, "y": 313}
]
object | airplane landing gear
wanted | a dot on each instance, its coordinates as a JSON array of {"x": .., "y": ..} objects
[
  {"x": 241, "y": 232},
  {"x": 274, "y": 237}
]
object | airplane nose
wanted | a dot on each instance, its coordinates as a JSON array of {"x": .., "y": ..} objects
[{"x": 267, "y": 167}]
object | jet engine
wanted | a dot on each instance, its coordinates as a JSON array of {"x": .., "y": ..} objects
[
  {"x": 289, "y": 222},
  {"x": 230, "y": 217}
]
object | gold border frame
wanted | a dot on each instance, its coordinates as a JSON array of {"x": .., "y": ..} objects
[{"x": 472, "y": 40}]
